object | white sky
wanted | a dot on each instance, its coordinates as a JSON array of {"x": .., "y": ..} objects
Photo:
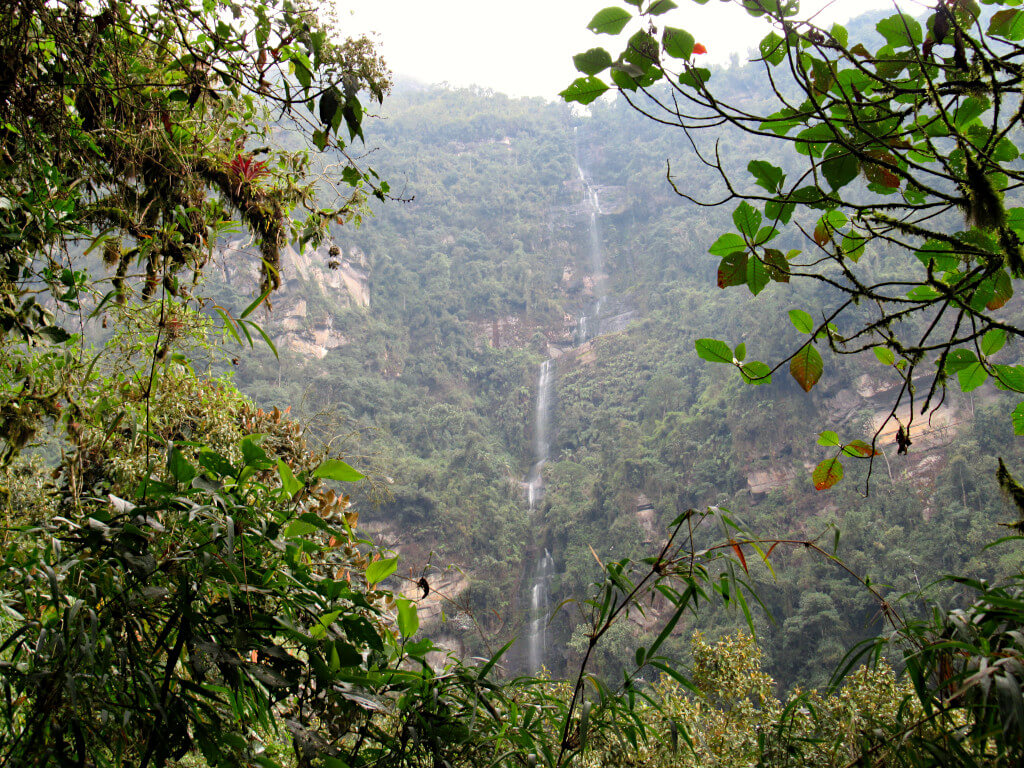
[{"x": 525, "y": 48}]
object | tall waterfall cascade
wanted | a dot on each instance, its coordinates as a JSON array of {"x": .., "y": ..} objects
[{"x": 588, "y": 327}]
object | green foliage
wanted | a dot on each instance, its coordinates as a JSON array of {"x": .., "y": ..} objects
[{"x": 906, "y": 146}]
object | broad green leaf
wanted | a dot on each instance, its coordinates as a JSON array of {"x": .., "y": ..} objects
[
  {"x": 1018, "y": 419},
  {"x": 642, "y": 50},
  {"x": 885, "y": 355},
  {"x": 959, "y": 359},
  {"x": 678, "y": 43},
  {"x": 740, "y": 353},
  {"x": 768, "y": 176},
  {"x": 801, "y": 320},
  {"x": 727, "y": 244},
  {"x": 993, "y": 341},
  {"x": 939, "y": 254},
  {"x": 972, "y": 376},
  {"x": 1008, "y": 23},
  {"x": 747, "y": 219},
  {"x": 772, "y": 49},
  {"x": 695, "y": 77},
  {"x": 659, "y": 7},
  {"x": 298, "y": 528},
  {"x": 408, "y": 617},
  {"x": 755, "y": 372},
  {"x": 180, "y": 468},
  {"x": 379, "y": 570},
  {"x": 827, "y": 438},
  {"x": 757, "y": 276},
  {"x": 1009, "y": 377},
  {"x": 1002, "y": 290},
  {"x": 806, "y": 367},
  {"x": 252, "y": 453},
  {"x": 335, "y": 469},
  {"x": 289, "y": 484},
  {"x": 609, "y": 21},
  {"x": 584, "y": 90},
  {"x": 853, "y": 245},
  {"x": 827, "y": 474},
  {"x": 900, "y": 31},
  {"x": 593, "y": 61},
  {"x": 713, "y": 350},
  {"x": 971, "y": 109},
  {"x": 839, "y": 167}
]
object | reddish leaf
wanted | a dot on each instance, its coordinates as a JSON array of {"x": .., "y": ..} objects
[
  {"x": 699, "y": 48},
  {"x": 806, "y": 367},
  {"x": 770, "y": 549},
  {"x": 733, "y": 270},
  {"x": 1003, "y": 290},
  {"x": 879, "y": 174},
  {"x": 739, "y": 554},
  {"x": 858, "y": 448},
  {"x": 822, "y": 235},
  {"x": 827, "y": 474}
]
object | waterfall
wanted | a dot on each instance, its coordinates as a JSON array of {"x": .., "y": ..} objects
[
  {"x": 537, "y": 636},
  {"x": 589, "y": 325},
  {"x": 537, "y": 632}
]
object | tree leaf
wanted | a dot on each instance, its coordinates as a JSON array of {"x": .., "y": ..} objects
[
  {"x": 408, "y": 617},
  {"x": 755, "y": 372},
  {"x": 335, "y": 469},
  {"x": 733, "y": 270},
  {"x": 757, "y": 275},
  {"x": 827, "y": 474},
  {"x": 1018, "y": 419},
  {"x": 678, "y": 43},
  {"x": 801, "y": 320},
  {"x": 768, "y": 176},
  {"x": 713, "y": 351},
  {"x": 727, "y": 244},
  {"x": 747, "y": 219},
  {"x": 1002, "y": 290},
  {"x": 584, "y": 90},
  {"x": 972, "y": 376},
  {"x": 806, "y": 367},
  {"x": 379, "y": 570},
  {"x": 772, "y": 49},
  {"x": 885, "y": 355},
  {"x": 1008, "y": 23},
  {"x": 993, "y": 341},
  {"x": 180, "y": 468},
  {"x": 859, "y": 449},
  {"x": 593, "y": 61},
  {"x": 609, "y": 21},
  {"x": 828, "y": 438}
]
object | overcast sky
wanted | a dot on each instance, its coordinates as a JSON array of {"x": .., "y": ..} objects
[{"x": 525, "y": 47}]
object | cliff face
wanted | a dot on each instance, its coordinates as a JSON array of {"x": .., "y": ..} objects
[{"x": 315, "y": 283}]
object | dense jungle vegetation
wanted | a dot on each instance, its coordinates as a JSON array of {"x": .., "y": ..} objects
[{"x": 267, "y": 412}]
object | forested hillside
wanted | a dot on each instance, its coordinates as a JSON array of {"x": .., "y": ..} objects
[{"x": 485, "y": 270}]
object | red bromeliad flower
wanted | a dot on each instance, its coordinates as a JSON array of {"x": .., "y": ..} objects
[
  {"x": 247, "y": 168},
  {"x": 699, "y": 48}
]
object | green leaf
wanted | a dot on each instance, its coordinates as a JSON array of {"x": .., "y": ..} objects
[
  {"x": 609, "y": 21},
  {"x": 801, "y": 320},
  {"x": 972, "y": 376},
  {"x": 659, "y": 7},
  {"x": 747, "y": 219},
  {"x": 827, "y": 474},
  {"x": 180, "y": 468},
  {"x": 828, "y": 438},
  {"x": 408, "y": 617},
  {"x": 379, "y": 570},
  {"x": 584, "y": 90},
  {"x": 768, "y": 176},
  {"x": 772, "y": 49},
  {"x": 727, "y": 244},
  {"x": 1009, "y": 377},
  {"x": 1018, "y": 419},
  {"x": 806, "y": 367},
  {"x": 289, "y": 484},
  {"x": 713, "y": 350},
  {"x": 252, "y": 453},
  {"x": 335, "y": 469},
  {"x": 972, "y": 108},
  {"x": 885, "y": 355},
  {"x": 959, "y": 359},
  {"x": 757, "y": 275},
  {"x": 1002, "y": 290},
  {"x": 1008, "y": 23},
  {"x": 839, "y": 167},
  {"x": 740, "y": 353},
  {"x": 678, "y": 43},
  {"x": 218, "y": 465},
  {"x": 695, "y": 77},
  {"x": 298, "y": 528},
  {"x": 593, "y": 61},
  {"x": 755, "y": 372},
  {"x": 900, "y": 31},
  {"x": 993, "y": 341}
]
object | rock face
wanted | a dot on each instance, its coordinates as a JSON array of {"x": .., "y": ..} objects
[{"x": 314, "y": 282}]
